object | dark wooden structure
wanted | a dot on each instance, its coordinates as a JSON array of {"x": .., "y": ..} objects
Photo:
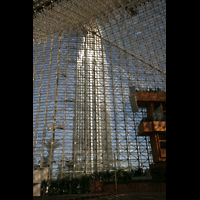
[{"x": 154, "y": 125}]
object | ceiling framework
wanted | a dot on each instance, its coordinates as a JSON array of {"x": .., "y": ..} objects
[{"x": 86, "y": 54}]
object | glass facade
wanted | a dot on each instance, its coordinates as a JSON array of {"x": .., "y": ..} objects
[{"x": 85, "y": 57}]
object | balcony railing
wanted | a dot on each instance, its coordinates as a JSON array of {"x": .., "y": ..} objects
[{"x": 146, "y": 128}]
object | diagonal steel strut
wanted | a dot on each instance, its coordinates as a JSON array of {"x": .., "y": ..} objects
[{"x": 128, "y": 53}]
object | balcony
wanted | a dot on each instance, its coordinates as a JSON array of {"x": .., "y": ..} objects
[
  {"x": 143, "y": 98},
  {"x": 146, "y": 128}
]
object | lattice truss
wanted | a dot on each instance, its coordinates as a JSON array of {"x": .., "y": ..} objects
[{"x": 86, "y": 54}]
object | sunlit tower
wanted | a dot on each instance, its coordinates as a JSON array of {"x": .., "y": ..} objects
[{"x": 92, "y": 134}]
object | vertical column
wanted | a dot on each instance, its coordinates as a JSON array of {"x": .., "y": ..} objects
[
  {"x": 39, "y": 100},
  {"x": 95, "y": 110},
  {"x": 104, "y": 107},
  {"x": 74, "y": 121},
  {"x": 46, "y": 107},
  {"x": 54, "y": 112},
  {"x": 85, "y": 102},
  {"x": 150, "y": 109}
]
